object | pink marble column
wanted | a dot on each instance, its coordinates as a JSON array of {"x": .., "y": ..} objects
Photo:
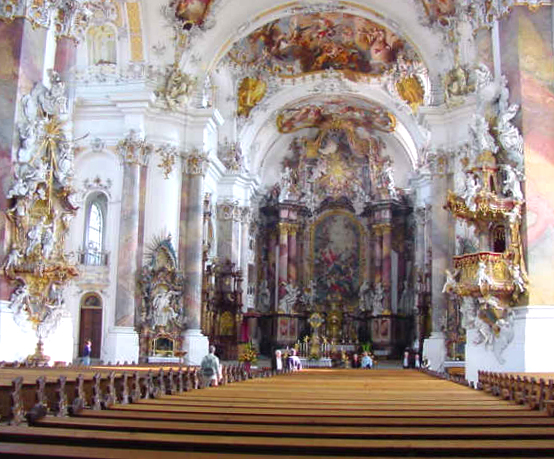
[
  {"x": 196, "y": 164},
  {"x": 386, "y": 266},
  {"x": 377, "y": 246},
  {"x": 283, "y": 258},
  {"x": 128, "y": 245},
  {"x": 66, "y": 55},
  {"x": 292, "y": 272}
]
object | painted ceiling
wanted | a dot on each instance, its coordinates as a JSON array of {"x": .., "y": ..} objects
[
  {"x": 306, "y": 43},
  {"x": 327, "y": 113}
]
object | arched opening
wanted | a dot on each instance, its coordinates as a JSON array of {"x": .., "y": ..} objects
[
  {"x": 499, "y": 239},
  {"x": 91, "y": 324},
  {"x": 95, "y": 229},
  {"x": 101, "y": 44}
]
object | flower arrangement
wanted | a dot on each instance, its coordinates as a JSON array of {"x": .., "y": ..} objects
[{"x": 249, "y": 354}]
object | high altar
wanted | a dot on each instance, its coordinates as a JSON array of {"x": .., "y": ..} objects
[{"x": 333, "y": 237}]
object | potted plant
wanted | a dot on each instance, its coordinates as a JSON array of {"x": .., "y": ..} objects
[{"x": 248, "y": 356}]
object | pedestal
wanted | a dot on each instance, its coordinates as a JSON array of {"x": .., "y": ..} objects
[
  {"x": 18, "y": 341},
  {"x": 195, "y": 344},
  {"x": 434, "y": 351},
  {"x": 526, "y": 352},
  {"x": 122, "y": 345}
]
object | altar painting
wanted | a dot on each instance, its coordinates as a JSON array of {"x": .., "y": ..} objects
[
  {"x": 337, "y": 246},
  {"x": 315, "y": 42}
]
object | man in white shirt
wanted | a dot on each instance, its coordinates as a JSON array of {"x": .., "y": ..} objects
[{"x": 210, "y": 369}]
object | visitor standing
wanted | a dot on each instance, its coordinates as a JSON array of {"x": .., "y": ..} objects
[{"x": 87, "y": 351}]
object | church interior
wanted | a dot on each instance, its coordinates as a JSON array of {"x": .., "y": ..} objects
[{"x": 329, "y": 176}]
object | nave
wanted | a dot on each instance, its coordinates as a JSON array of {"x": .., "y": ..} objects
[{"x": 312, "y": 413}]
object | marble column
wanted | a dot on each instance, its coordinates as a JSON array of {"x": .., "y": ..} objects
[
  {"x": 195, "y": 343},
  {"x": 283, "y": 258},
  {"x": 292, "y": 271},
  {"x": 377, "y": 247},
  {"x": 386, "y": 266},
  {"x": 133, "y": 153},
  {"x": 244, "y": 251},
  {"x": 228, "y": 231}
]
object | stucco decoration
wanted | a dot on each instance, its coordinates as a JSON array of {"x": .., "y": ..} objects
[
  {"x": 342, "y": 161},
  {"x": 314, "y": 42},
  {"x": 176, "y": 88},
  {"x": 42, "y": 204}
]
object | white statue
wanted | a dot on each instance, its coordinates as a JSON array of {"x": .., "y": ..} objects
[
  {"x": 19, "y": 187},
  {"x": 288, "y": 301},
  {"x": 483, "y": 278},
  {"x": 47, "y": 242},
  {"x": 377, "y": 299},
  {"x": 484, "y": 332},
  {"x": 286, "y": 184},
  {"x": 472, "y": 187},
  {"x": 482, "y": 139},
  {"x": 364, "y": 296},
  {"x": 13, "y": 259},
  {"x": 34, "y": 237},
  {"x": 450, "y": 283},
  {"x": 517, "y": 278},
  {"x": 512, "y": 185},
  {"x": 514, "y": 214},
  {"x": 508, "y": 135},
  {"x": 265, "y": 296},
  {"x": 64, "y": 169},
  {"x": 483, "y": 77},
  {"x": 504, "y": 336},
  {"x": 162, "y": 310},
  {"x": 388, "y": 179},
  {"x": 19, "y": 299}
]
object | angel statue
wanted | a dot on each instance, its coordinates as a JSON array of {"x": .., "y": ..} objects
[
  {"x": 483, "y": 278},
  {"x": 450, "y": 283}
]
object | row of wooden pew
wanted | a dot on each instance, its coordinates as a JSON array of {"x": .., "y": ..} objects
[
  {"x": 535, "y": 391},
  {"x": 30, "y": 393},
  {"x": 307, "y": 414}
]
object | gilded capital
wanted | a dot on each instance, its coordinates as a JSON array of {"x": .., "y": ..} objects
[
  {"x": 134, "y": 150},
  {"x": 196, "y": 163}
]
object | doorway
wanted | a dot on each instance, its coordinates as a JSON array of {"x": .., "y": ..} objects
[{"x": 91, "y": 324}]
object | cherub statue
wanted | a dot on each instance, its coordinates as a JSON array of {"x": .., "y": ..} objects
[
  {"x": 483, "y": 278},
  {"x": 517, "y": 277},
  {"x": 450, "y": 283}
]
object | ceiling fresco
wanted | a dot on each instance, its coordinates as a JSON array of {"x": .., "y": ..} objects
[
  {"x": 191, "y": 12},
  {"x": 328, "y": 113},
  {"x": 306, "y": 43}
]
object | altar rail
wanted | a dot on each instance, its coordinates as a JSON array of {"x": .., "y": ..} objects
[
  {"x": 31, "y": 393},
  {"x": 536, "y": 390}
]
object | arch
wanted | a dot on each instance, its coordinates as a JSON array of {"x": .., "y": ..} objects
[
  {"x": 90, "y": 323},
  {"x": 102, "y": 45},
  {"x": 94, "y": 236}
]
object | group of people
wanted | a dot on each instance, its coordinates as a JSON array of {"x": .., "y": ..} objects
[{"x": 365, "y": 362}]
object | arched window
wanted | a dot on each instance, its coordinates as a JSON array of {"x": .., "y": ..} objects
[
  {"x": 101, "y": 44},
  {"x": 94, "y": 252}
]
